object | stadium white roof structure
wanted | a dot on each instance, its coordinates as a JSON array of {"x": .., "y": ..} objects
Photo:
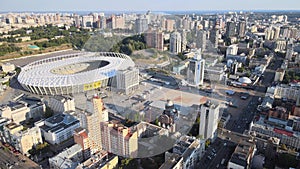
[{"x": 73, "y": 69}]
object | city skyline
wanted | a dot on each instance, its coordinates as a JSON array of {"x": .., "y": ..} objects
[{"x": 135, "y": 5}]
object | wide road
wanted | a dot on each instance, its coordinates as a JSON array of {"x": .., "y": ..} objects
[
  {"x": 13, "y": 161},
  {"x": 20, "y": 62}
]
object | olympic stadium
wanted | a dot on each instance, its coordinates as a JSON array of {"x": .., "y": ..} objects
[{"x": 73, "y": 73}]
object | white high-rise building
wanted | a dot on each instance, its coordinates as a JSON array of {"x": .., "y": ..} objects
[
  {"x": 195, "y": 72},
  {"x": 209, "y": 115},
  {"x": 175, "y": 43}
]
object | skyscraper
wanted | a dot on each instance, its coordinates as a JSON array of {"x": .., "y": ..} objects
[
  {"x": 209, "y": 114},
  {"x": 201, "y": 39},
  {"x": 175, "y": 43},
  {"x": 195, "y": 72},
  {"x": 230, "y": 29}
]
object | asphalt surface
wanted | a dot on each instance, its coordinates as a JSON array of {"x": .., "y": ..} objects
[
  {"x": 13, "y": 161},
  {"x": 20, "y": 62}
]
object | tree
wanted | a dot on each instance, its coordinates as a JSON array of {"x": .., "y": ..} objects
[{"x": 49, "y": 112}]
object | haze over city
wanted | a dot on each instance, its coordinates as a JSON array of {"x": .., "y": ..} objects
[{"x": 144, "y": 5}]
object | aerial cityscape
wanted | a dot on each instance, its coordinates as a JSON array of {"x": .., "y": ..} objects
[{"x": 150, "y": 85}]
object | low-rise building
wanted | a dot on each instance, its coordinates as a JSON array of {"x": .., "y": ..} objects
[
  {"x": 58, "y": 128},
  {"x": 284, "y": 132},
  {"x": 62, "y": 104},
  {"x": 18, "y": 112},
  {"x": 67, "y": 159},
  {"x": 279, "y": 74},
  {"x": 20, "y": 138},
  {"x": 8, "y": 67},
  {"x": 189, "y": 149},
  {"x": 242, "y": 155},
  {"x": 26, "y": 139}
]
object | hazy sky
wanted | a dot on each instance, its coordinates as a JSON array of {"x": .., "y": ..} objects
[{"x": 143, "y": 5}]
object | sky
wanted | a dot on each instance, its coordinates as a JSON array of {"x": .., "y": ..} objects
[{"x": 144, "y": 5}]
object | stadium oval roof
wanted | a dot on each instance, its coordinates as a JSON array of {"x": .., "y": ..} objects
[{"x": 74, "y": 69}]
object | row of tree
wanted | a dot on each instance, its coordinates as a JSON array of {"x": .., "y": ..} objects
[{"x": 8, "y": 48}]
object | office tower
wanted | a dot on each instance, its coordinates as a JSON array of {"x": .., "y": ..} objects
[
  {"x": 230, "y": 29},
  {"x": 209, "y": 114},
  {"x": 141, "y": 24},
  {"x": 90, "y": 120},
  {"x": 195, "y": 72},
  {"x": 242, "y": 29},
  {"x": 155, "y": 39},
  {"x": 118, "y": 139},
  {"x": 201, "y": 39},
  {"x": 175, "y": 43},
  {"x": 214, "y": 37},
  {"x": 127, "y": 80}
]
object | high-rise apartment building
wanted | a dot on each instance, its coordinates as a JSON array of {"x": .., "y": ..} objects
[
  {"x": 175, "y": 43},
  {"x": 141, "y": 24},
  {"x": 214, "y": 37},
  {"x": 201, "y": 39},
  {"x": 242, "y": 29},
  {"x": 230, "y": 29},
  {"x": 155, "y": 39},
  {"x": 169, "y": 25},
  {"x": 90, "y": 120},
  {"x": 119, "y": 139},
  {"x": 209, "y": 114}
]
